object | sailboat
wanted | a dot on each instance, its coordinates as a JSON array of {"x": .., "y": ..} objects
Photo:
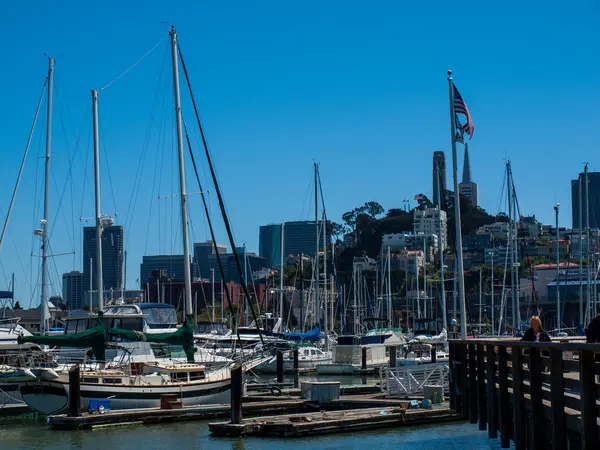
[{"x": 123, "y": 384}]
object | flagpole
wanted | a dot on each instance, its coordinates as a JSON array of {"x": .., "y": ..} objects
[{"x": 459, "y": 255}]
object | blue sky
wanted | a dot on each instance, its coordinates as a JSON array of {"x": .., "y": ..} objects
[{"x": 359, "y": 87}]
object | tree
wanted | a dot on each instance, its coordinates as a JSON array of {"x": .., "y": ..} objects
[
  {"x": 337, "y": 229},
  {"x": 373, "y": 209}
]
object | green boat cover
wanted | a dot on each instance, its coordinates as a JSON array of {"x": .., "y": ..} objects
[
  {"x": 95, "y": 337},
  {"x": 184, "y": 336}
]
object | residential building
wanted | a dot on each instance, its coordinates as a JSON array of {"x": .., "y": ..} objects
[
  {"x": 549, "y": 250},
  {"x": 410, "y": 241},
  {"x": 407, "y": 260},
  {"x": 364, "y": 263},
  {"x": 467, "y": 188},
  {"x": 593, "y": 200},
  {"x": 72, "y": 289},
  {"x": 205, "y": 259},
  {"x": 425, "y": 221},
  {"x": 529, "y": 227},
  {"x": 499, "y": 230},
  {"x": 439, "y": 182},
  {"x": 476, "y": 242},
  {"x": 112, "y": 258}
]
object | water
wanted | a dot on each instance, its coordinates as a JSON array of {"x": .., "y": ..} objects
[{"x": 23, "y": 434}]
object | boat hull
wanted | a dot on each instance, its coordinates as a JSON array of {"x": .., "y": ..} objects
[{"x": 53, "y": 397}]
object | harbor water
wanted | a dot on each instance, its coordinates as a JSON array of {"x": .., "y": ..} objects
[{"x": 28, "y": 433}]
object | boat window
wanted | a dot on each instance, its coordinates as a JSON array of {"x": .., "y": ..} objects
[
  {"x": 161, "y": 317},
  {"x": 114, "y": 310},
  {"x": 197, "y": 375},
  {"x": 71, "y": 326},
  {"x": 91, "y": 380},
  {"x": 167, "y": 350},
  {"x": 127, "y": 323},
  {"x": 82, "y": 325},
  {"x": 179, "y": 376},
  {"x": 313, "y": 352},
  {"x": 112, "y": 380}
]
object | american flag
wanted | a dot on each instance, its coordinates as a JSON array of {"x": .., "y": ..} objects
[{"x": 460, "y": 107}]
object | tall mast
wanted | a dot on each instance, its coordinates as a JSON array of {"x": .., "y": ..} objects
[
  {"x": 516, "y": 252},
  {"x": 580, "y": 250},
  {"x": 417, "y": 280},
  {"x": 317, "y": 278},
  {"x": 492, "y": 292},
  {"x": 99, "y": 277},
  {"x": 459, "y": 252},
  {"x": 184, "y": 221},
  {"x": 511, "y": 248},
  {"x": 425, "y": 275},
  {"x": 557, "y": 271},
  {"x": 281, "y": 274},
  {"x": 587, "y": 239},
  {"x": 44, "y": 222},
  {"x": 389, "y": 288},
  {"x": 441, "y": 248},
  {"x": 325, "y": 325}
]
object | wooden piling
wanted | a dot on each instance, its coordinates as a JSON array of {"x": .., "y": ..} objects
[
  {"x": 295, "y": 357},
  {"x": 464, "y": 380},
  {"x": 236, "y": 394},
  {"x": 363, "y": 359},
  {"x": 557, "y": 392},
  {"x": 481, "y": 394},
  {"x": 393, "y": 351},
  {"x": 453, "y": 379},
  {"x": 473, "y": 404},
  {"x": 520, "y": 415},
  {"x": 279, "y": 366},
  {"x": 537, "y": 409},
  {"x": 504, "y": 400},
  {"x": 74, "y": 392},
  {"x": 433, "y": 354},
  {"x": 588, "y": 393},
  {"x": 490, "y": 366}
]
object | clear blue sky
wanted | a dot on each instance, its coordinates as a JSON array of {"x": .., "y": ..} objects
[{"x": 359, "y": 87}]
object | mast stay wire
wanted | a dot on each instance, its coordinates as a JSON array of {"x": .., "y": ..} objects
[{"x": 220, "y": 199}]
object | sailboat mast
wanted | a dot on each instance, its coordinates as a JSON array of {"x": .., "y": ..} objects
[
  {"x": 44, "y": 222},
  {"x": 511, "y": 247},
  {"x": 389, "y": 288},
  {"x": 425, "y": 275},
  {"x": 418, "y": 292},
  {"x": 580, "y": 250},
  {"x": 587, "y": 241},
  {"x": 317, "y": 278},
  {"x": 99, "y": 276},
  {"x": 281, "y": 274},
  {"x": 441, "y": 248},
  {"x": 182, "y": 191},
  {"x": 325, "y": 325}
]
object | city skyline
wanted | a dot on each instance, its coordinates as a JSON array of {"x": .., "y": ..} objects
[{"x": 369, "y": 109}]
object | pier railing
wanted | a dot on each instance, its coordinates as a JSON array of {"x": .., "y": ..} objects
[{"x": 539, "y": 395}]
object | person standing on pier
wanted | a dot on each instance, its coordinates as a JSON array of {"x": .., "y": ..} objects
[
  {"x": 592, "y": 331},
  {"x": 536, "y": 333}
]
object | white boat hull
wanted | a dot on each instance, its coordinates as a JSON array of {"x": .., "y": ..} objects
[{"x": 53, "y": 397}]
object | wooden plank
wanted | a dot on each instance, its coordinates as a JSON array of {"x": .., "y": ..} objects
[
  {"x": 464, "y": 380},
  {"x": 490, "y": 364},
  {"x": 589, "y": 427},
  {"x": 557, "y": 389},
  {"x": 481, "y": 394},
  {"x": 520, "y": 432},
  {"x": 505, "y": 421},
  {"x": 473, "y": 405},
  {"x": 537, "y": 410}
]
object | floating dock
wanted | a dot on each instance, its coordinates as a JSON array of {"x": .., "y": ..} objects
[{"x": 299, "y": 425}]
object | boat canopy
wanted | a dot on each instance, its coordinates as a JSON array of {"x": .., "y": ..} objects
[{"x": 313, "y": 335}]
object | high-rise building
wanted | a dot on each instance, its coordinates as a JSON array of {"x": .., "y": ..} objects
[
  {"x": 171, "y": 265},
  {"x": 112, "y": 258},
  {"x": 593, "y": 200},
  {"x": 72, "y": 288},
  {"x": 426, "y": 222},
  {"x": 467, "y": 188},
  {"x": 299, "y": 237},
  {"x": 439, "y": 160},
  {"x": 269, "y": 244},
  {"x": 205, "y": 258}
]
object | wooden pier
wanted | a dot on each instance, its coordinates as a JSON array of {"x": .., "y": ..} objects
[{"x": 538, "y": 395}]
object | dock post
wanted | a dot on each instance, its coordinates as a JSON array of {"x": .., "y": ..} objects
[
  {"x": 464, "y": 380},
  {"x": 490, "y": 367},
  {"x": 473, "y": 405},
  {"x": 295, "y": 356},
  {"x": 236, "y": 394},
  {"x": 520, "y": 415},
  {"x": 557, "y": 392},
  {"x": 363, "y": 359},
  {"x": 279, "y": 366},
  {"x": 587, "y": 376},
  {"x": 481, "y": 396},
  {"x": 74, "y": 392},
  {"x": 537, "y": 408},
  {"x": 433, "y": 355},
  {"x": 453, "y": 376},
  {"x": 505, "y": 424},
  {"x": 393, "y": 356}
]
